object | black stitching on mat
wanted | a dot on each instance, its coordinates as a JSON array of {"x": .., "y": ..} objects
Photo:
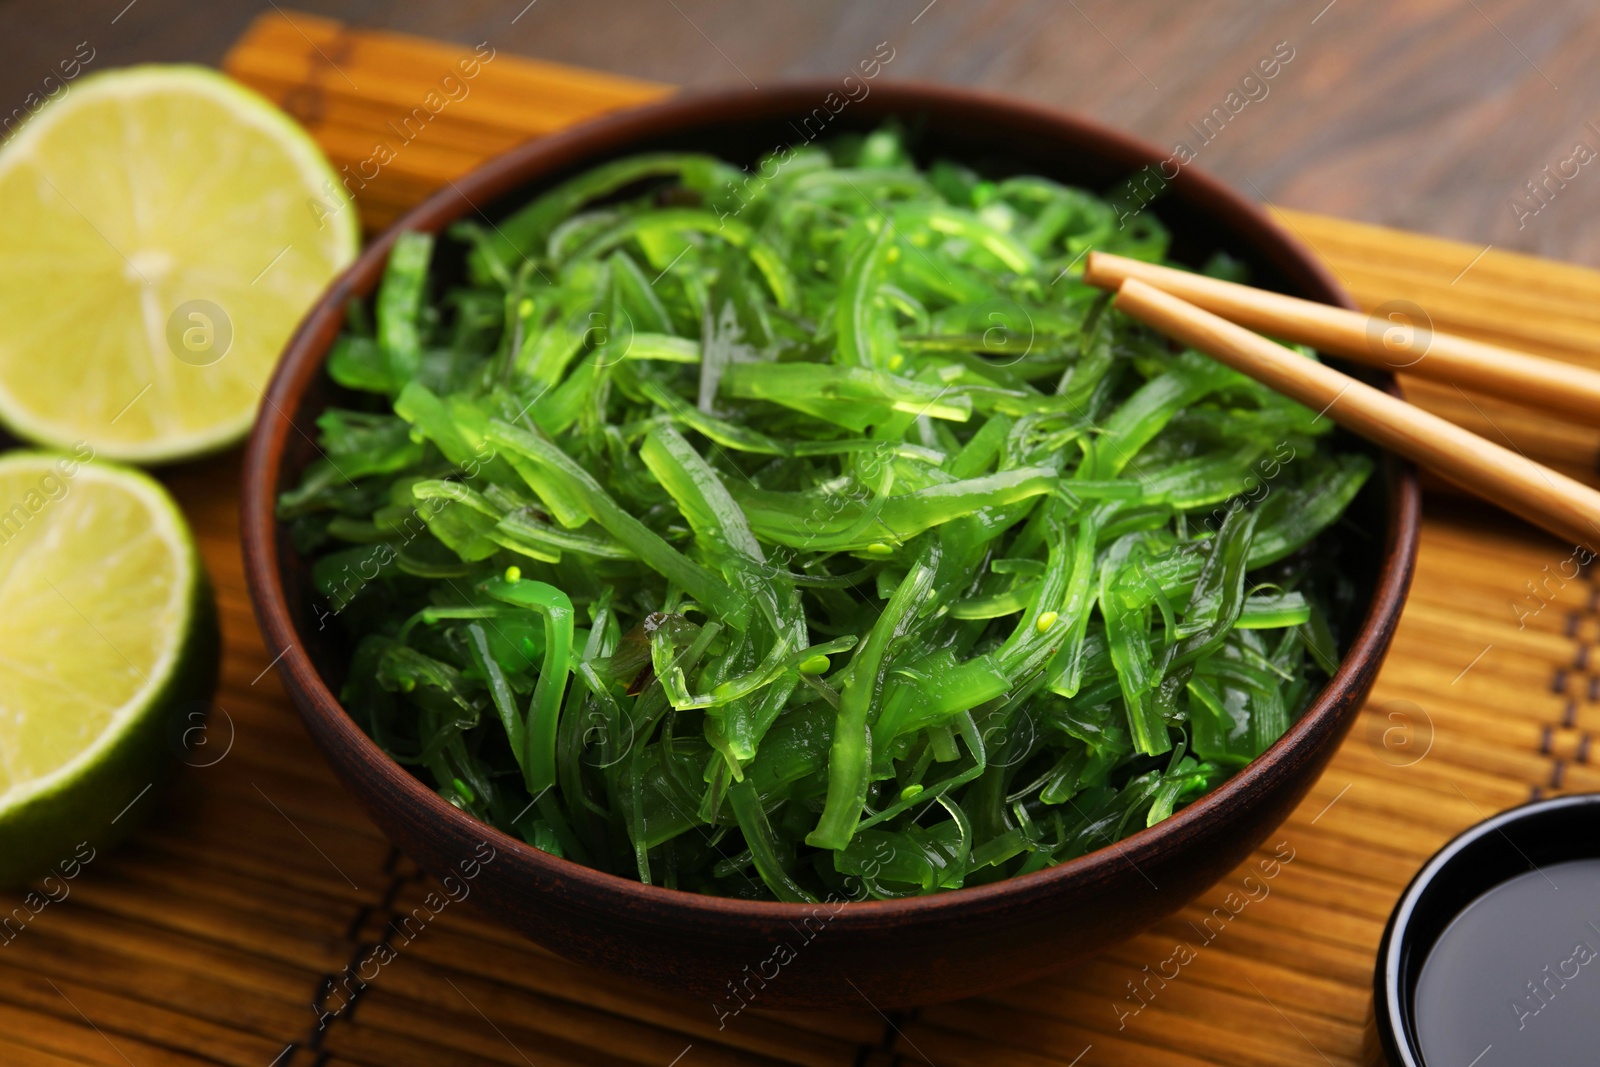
[
  {"x": 899, "y": 1021},
  {"x": 329, "y": 982},
  {"x": 357, "y": 921}
]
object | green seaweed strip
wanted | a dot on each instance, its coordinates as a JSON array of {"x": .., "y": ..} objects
[{"x": 543, "y": 713}]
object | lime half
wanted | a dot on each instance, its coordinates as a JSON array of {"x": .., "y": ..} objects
[
  {"x": 162, "y": 231},
  {"x": 108, "y": 636}
]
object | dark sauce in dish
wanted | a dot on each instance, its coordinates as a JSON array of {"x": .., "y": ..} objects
[{"x": 1514, "y": 980}]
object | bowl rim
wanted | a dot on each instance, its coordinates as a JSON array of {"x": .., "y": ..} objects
[{"x": 305, "y": 355}]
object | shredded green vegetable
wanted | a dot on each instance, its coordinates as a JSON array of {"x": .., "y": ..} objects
[{"x": 769, "y": 538}]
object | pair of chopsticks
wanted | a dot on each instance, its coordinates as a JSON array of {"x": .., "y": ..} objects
[{"x": 1218, "y": 318}]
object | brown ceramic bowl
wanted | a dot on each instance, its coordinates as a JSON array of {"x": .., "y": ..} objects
[{"x": 893, "y": 953}]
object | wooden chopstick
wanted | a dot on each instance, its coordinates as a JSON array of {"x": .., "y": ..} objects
[
  {"x": 1546, "y": 384},
  {"x": 1565, "y": 507}
]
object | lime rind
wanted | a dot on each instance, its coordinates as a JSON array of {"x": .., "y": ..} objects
[{"x": 98, "y": 794}]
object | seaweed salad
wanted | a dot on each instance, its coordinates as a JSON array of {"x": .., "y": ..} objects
[{"x": 811, "y": 528}]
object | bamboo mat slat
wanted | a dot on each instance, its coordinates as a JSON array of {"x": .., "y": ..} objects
[{"x": 231, "y": 930}]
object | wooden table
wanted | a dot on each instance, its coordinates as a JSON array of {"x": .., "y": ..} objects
[
  {"x": 244, "y": 910},
  {"x": 1420, "y": 114}
]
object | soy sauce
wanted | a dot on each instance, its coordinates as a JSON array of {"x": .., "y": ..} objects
[{"x": 1514, "y": 980}]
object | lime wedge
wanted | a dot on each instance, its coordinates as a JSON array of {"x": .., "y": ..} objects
[
  {"x": 162, "y": 231},
  {"x": 108, "y": 636}
]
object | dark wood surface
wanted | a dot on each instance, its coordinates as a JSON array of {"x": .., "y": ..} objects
[{"x": 1427, "y": 115}]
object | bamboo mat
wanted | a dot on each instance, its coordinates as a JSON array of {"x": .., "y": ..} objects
[{"x": 240, "y": 916}]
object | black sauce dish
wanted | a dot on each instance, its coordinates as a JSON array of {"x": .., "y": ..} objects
[{"x": 1492, "y": 956}]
